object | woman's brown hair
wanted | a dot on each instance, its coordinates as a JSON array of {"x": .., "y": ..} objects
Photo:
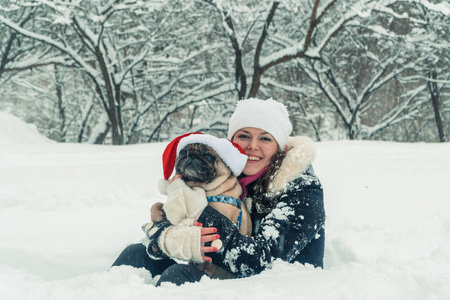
[{"x": 264, "y": 202}]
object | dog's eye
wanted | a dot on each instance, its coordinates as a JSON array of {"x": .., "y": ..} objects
[
  {"x": 183, "y": 153},
  {"x": 209, "y": 157}
]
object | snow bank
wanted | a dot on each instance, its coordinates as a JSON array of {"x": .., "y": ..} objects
[{"x": 15, "y": 131}]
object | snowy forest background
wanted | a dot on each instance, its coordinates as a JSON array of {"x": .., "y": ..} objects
[{"x": 125, "y": 72}]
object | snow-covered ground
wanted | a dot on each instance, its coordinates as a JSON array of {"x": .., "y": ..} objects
[{"x": 67, "y": 210}]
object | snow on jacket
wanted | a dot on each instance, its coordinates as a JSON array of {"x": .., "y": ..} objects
[{"x": 293, "y": 231}]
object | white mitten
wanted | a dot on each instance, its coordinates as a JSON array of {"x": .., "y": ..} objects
[
  {"x": 184, "y": 202},
  {"x": 181, "y": 241}
]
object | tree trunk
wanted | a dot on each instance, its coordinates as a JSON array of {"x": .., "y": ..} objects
[
  {"x": 114, "y": 109},
  {"x": 84, "y": 119},
  {"x": 434, "y": 92},
  {"x": 257, "y": 70},
  {"x": 6, "y": 51},
  {"x": 61, "y": 107}
]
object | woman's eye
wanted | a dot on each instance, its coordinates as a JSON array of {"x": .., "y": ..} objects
[
  {"x": 243, "y": 136},
  {"x": 265, "y": 139}
]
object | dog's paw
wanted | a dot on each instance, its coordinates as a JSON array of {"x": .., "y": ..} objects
[{"x": 157, "y": 213}]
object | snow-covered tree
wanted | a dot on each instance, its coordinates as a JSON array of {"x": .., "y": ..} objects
[
  {"x": 146, "y": 71},
  {"x": 431, "y": 40},
  {"x": 93, "y": 36}
]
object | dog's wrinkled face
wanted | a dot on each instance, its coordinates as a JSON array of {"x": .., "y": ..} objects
[{"x": 197, "y": 163}]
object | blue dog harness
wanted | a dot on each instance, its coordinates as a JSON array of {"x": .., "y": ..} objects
[{"x": 229, "y": 200}]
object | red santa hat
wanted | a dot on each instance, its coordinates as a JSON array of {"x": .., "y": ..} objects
[{"x": 231, "y": 153}]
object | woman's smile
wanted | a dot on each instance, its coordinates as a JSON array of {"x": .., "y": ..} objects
[{"x": 253, "y": 158}]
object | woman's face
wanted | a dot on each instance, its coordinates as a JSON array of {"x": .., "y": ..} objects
[{"x": 259, "y": 145}]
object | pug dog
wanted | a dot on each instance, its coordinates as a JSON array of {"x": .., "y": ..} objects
[
  {"x": 201, "y": 166},
  {"x": 205, "y": 174}
]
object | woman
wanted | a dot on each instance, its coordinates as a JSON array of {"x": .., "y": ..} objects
[{"x": 284, "y": 197}]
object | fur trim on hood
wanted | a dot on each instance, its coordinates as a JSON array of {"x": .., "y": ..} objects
[{"x": 299, "y": 157}]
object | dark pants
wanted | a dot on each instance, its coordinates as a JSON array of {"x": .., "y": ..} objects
[{"x": 136, "y": 256}]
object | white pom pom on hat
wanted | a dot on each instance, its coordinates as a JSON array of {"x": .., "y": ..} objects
[
  {"x": 231, "y": 153},
  {"x": 268, "y": 115}
]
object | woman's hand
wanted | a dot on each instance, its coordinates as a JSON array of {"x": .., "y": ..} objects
[{"x": 208, "y": 234}]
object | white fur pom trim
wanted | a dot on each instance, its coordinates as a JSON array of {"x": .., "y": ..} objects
[
  {"x": 299, "y": 157},
  {"x": 162, "y": 186}
]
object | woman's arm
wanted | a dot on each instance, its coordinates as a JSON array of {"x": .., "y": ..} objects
[{"x": 283, "y": 233}]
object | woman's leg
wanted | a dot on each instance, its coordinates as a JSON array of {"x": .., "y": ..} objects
[
  {"x": 180, "y": 274},
  {"x": 136, "y": 256}
]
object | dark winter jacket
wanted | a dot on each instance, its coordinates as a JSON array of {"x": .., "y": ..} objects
[{"x": 293, "y": 231}]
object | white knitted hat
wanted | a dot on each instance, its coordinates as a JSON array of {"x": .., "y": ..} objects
[
  {"x": 268, "y": 115},
  {"x": 231, "y": 153}
]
